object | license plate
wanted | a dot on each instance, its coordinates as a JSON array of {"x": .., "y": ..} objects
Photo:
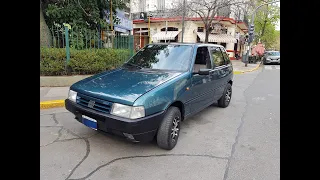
[{"x": 88, "y": 121}]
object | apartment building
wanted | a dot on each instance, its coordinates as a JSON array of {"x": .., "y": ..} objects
[{"x": 230, "y": 25}]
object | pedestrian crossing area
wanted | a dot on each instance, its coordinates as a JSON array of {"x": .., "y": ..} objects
[{"x": 272, "y": 67}]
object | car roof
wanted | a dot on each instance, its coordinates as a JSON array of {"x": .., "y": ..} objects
[{"x": 191, "y": 44}]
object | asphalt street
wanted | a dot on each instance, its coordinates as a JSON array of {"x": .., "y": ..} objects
[{"x": 241, "y": 142}]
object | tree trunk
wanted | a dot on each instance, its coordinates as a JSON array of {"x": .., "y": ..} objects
[
  {"x": 265, "y": 22},
  {"x": 207, "y": 35},
  {"x": 45, "y": 35}
]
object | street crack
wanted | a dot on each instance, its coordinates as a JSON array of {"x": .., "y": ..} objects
[
  {"x": 146, "y": 156},
  {"x": 59, "y": 135},
  {"x": 238, "y": 130}
]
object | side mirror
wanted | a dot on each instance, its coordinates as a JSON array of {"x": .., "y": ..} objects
[{"x": 204, "y": 72}]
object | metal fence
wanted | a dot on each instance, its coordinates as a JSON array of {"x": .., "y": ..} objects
[{"x": 62, "y": 36}]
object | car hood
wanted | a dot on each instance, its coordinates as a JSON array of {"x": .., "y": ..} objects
[{"x": 122, "y": 85}]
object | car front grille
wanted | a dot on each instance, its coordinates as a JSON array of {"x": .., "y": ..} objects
[{"x": 94, "y": 103}]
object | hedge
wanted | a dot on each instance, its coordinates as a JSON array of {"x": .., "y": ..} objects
[{"x": 87, "y": 61}]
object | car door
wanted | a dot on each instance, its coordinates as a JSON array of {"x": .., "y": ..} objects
[
  {"x": 220, "y": 72},
  {"x": 228, "y": 70},
  {"x": 202, "y": 94}
]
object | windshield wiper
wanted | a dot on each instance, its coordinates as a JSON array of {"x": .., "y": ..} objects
[{"x": 134, "y": 65}]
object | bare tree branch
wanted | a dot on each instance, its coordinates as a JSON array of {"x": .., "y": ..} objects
[{"x": 83, "y": 9}]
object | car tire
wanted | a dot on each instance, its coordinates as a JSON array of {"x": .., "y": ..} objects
[
  {"x": 168, "y": 132},
  {"x": 224, "y": 101}
]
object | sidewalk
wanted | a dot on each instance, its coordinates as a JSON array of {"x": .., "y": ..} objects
[
  {"x": 53, "y": 93},
  {"x": 238, "y": 65}
]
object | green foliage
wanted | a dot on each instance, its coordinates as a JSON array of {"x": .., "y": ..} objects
[
  {"x": 84, "y": 13},
  {"x": 88, "y": 61},
  {"x": 276, "y": 45},
  {"x": 52, "y": 61},
  {"x": 265, "y": 22}
]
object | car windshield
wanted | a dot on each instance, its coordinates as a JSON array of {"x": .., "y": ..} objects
[
  {"x": 274, "y": 53},
  {"x": 163, "y": 57}
]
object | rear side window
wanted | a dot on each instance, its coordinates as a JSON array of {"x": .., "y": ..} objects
[
  {"x": 225, "y": 56},
  {"x": 217, "y": 56}
]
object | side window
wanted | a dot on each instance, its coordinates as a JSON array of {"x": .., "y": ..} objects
[
  {"x": 217, "y": 56},
  {"x": 226, "y": 56},
  {"x": 202, "y": 60}
]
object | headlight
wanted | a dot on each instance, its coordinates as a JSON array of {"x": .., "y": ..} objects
[
  {"x": 127, "y": 111},
  {"x": 72, "y": 96},
  {"x": 268, "y": 59}
]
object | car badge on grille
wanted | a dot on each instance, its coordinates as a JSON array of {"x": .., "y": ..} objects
[{"x": 91, "y": 104}]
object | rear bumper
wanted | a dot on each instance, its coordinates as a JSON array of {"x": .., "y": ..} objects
[{"x": 143, "y": 129}]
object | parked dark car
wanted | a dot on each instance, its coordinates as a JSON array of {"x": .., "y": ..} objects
[
  {"x": 149, "y": 95},
  {"x": 271, "y": 57}
]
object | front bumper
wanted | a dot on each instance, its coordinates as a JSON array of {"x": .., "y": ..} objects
[
  {"x": 273, "y": 61},
  {"x": 142, "y": 129}
]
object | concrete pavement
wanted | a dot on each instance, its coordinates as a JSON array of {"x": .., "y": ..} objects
[
  {"x": 238, "y": 142},
  {"x": 239, "y": 66}
]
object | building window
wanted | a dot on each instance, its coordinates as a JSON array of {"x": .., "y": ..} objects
[
  {"x": 161, "y": 5},
  {"x": 200, "y": 29},
  {"x": 170, "y": 29},
  {"x": 224, "y": 31}
]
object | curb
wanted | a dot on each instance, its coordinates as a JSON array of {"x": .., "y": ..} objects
[
  {"x": 51, "y": 104},
  {"x": 250, "y": 70}
]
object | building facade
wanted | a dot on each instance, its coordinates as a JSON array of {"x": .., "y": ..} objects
[{"x": 165, "y": 26}]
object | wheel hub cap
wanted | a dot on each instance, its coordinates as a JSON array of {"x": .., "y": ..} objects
[
  {"x": 175, "y": 128},
  {"x": 228, "y": 95}
]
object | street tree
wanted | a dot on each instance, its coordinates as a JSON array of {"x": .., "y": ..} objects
[
  {"x": 265, "y": 23},
  {"x": 208, "y": 10},
  {"x": 85, "y": 14}
]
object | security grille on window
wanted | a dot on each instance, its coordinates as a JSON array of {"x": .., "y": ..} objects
[{"x": 161, "y": 5}]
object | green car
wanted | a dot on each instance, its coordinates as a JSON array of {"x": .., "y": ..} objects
[{"x": 154, "y": 91}]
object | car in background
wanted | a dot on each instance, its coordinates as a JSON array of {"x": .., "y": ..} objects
[{"x": 271, "y": 57}]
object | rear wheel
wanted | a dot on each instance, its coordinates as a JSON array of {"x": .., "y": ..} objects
[
  {"x": 224, "y": 101},
  {"x": 168, "y": 132}
]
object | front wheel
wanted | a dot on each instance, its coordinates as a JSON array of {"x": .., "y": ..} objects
[
  {"x": 168, "y": 132},
  {"x": 224, "y": 101}
]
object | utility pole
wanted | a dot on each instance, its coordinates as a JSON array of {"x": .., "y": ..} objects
[
  {"x": 111, "y": 23},
  {"x": 251, "y": 36},
  {"x": 149, "y": 29},
  {"x": 165, "y": 40},
  {"x": 183, "y": 16}
]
